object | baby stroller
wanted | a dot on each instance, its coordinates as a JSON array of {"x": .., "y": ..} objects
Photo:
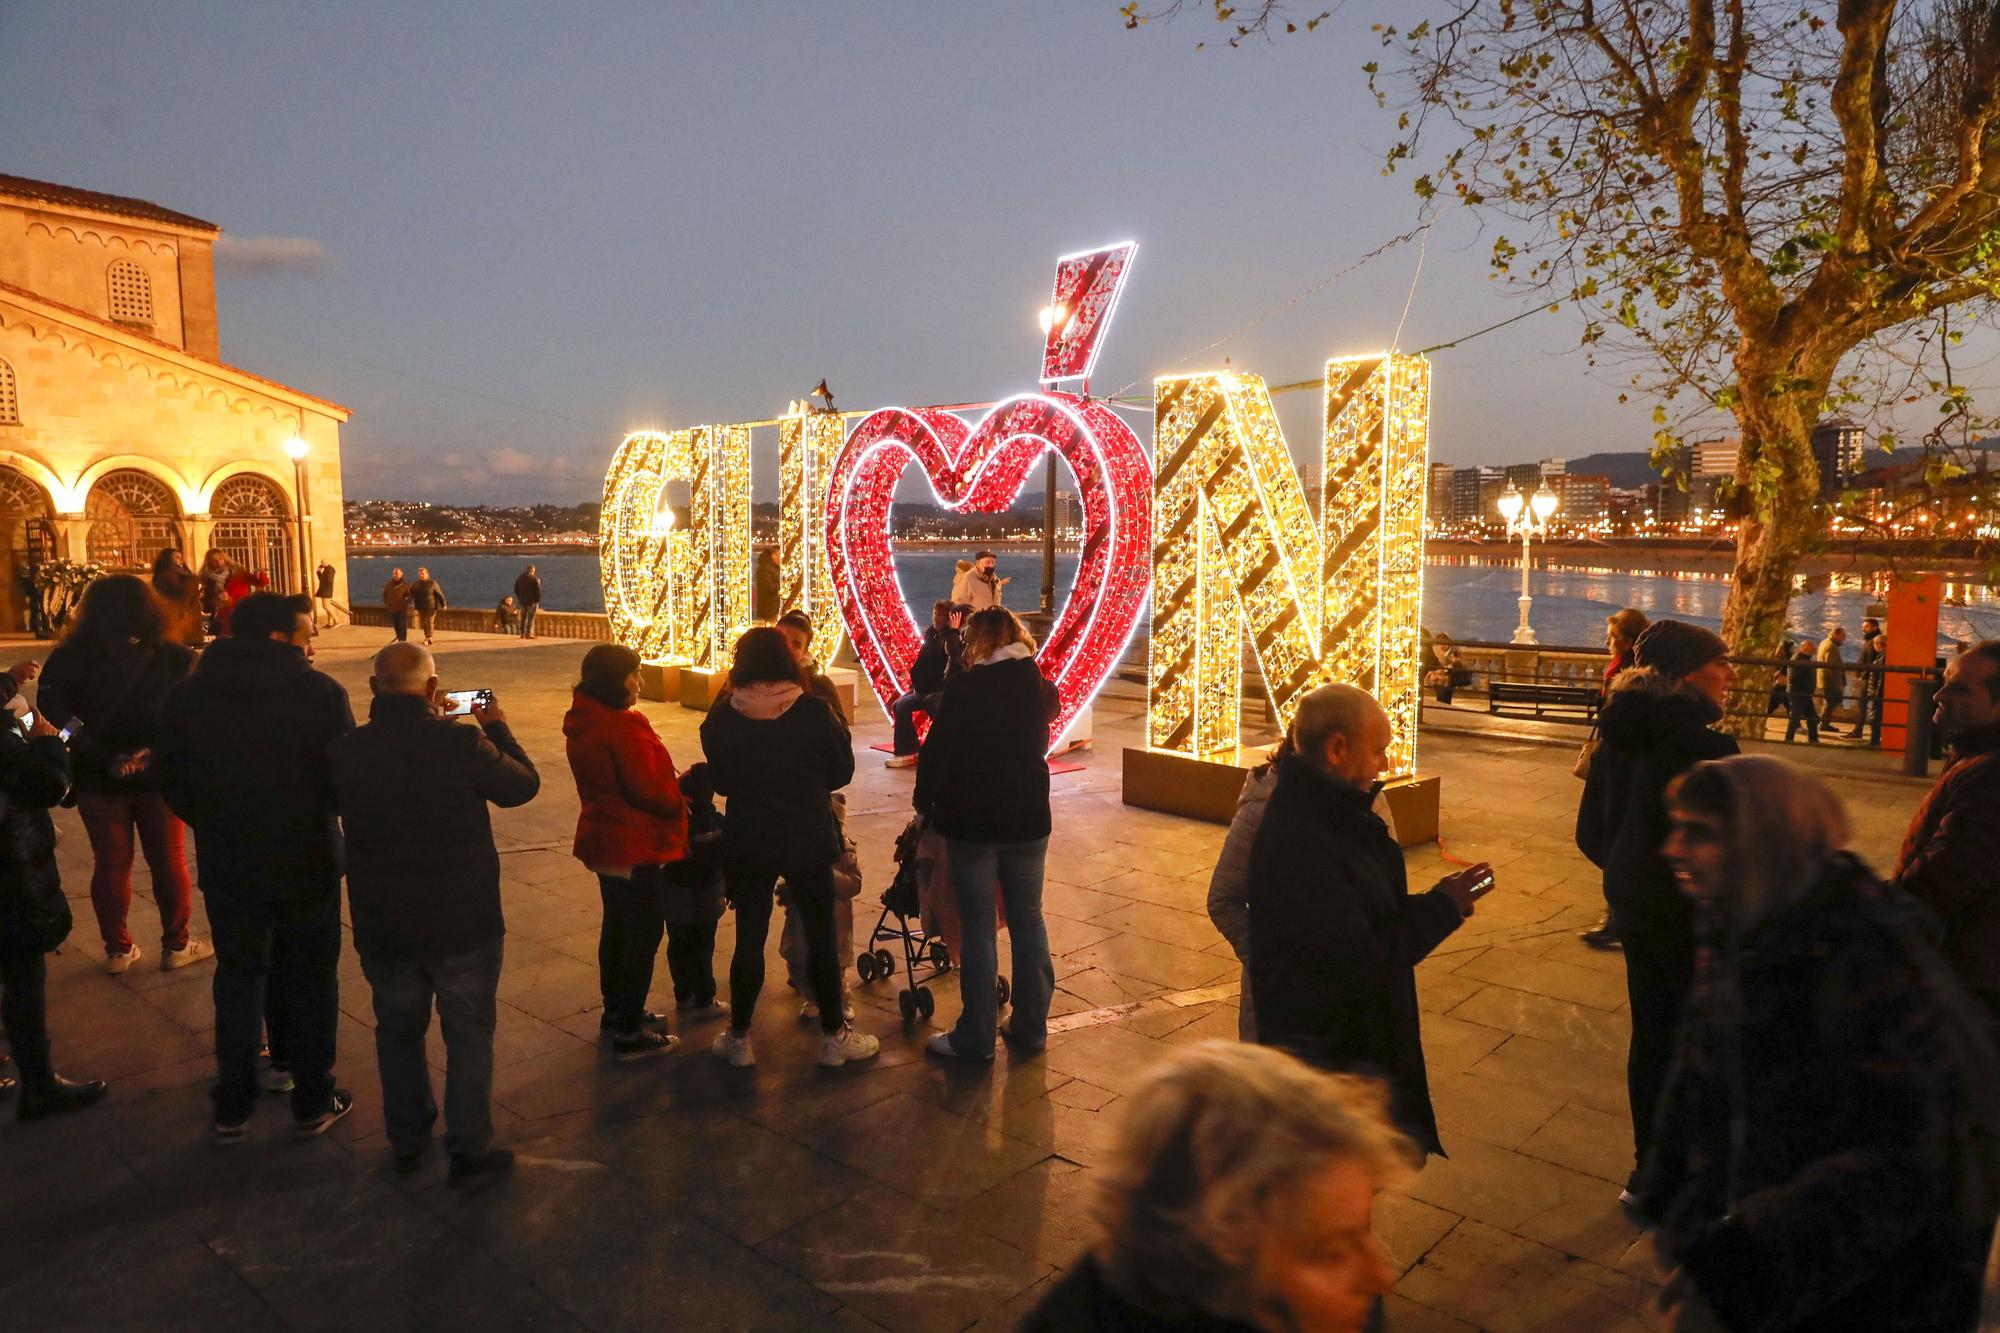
[{"x": 924, "y": 958}]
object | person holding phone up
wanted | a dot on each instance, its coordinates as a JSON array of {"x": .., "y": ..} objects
[{"x": 1335, "y": 933}]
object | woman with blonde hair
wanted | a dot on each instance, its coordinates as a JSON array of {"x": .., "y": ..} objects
[
  {"x": 1824, "y": 1154},
  {"x": 1238, "y": 1196},
  {"x": 983, "y": 781}
]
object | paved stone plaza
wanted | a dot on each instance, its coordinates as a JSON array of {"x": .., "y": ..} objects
[{"x": 900, "y": 1194}]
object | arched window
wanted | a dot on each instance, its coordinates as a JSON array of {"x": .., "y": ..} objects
[
  {"x": 131, "y": 293},
  {"x": 250, "y": 527},
  {"x": 30, "y": 540},
  {"x": 133, "y": 517},
  {"x": 10, "y": 401}
]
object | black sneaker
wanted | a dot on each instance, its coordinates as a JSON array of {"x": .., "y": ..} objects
[
  {"x": 339, "y": 1105},
  {"x": 472, "y": 1172},
  {"x": 1604, "y": 935},
  {"x": 57, "y": 1096},
  {"x": 224, "y": 1133},
  {"x": 648, "y": 1021},
  {"x": 640, "y": 1043}
]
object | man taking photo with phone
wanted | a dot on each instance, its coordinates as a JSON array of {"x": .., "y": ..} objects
[
  {"x": 426, "y": 910},
  {"x": 1335, "y": 934}
]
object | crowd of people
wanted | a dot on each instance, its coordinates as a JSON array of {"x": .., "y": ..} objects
[{"x": 1813, "y": 1086}]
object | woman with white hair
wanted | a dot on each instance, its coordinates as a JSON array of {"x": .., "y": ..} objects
[
  {"x": 1824, "y": 1154},
  {"x": 1239, "y": 1197}
]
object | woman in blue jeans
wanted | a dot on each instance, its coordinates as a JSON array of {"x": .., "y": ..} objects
[{"x": 983, "y": 781}]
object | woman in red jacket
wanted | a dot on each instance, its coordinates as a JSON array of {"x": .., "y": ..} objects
[{"x": 632, "y": 823}]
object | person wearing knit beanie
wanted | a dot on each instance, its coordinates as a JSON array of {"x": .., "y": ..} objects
[{"x": 1677, "y": 649}]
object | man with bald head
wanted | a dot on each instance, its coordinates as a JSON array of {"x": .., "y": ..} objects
[
  {"x": 1335, "y": 934},
  {"x": 423, "y": 886}
]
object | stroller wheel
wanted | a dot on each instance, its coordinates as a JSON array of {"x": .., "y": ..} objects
[
  {"x": 885, "y": 963},
  {"x": 926, "y": 1003},
  {"x": 940, "y": 956},
  {"x": 864, "y": 967},
  {"x": 1006, "y": 992},
  {"x": 906, "y": 1001}
]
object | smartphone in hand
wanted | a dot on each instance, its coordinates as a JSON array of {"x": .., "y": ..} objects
[{"x": 460, "y": 703}]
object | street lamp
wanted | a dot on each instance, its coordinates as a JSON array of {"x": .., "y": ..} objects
[
  {"x": 297, "y": 448},
  {"x": 1527, "y": 519}
]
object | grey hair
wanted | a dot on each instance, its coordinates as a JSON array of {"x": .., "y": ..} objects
[
  {"x": 1329, "y": 711},
  {"x": 1212, "y": 1152},
  {"x": 1782, "y": 827},
  {"x": 402, "y": 668}
]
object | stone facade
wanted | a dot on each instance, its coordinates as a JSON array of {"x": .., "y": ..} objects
[{"x": 121, "y": 431}]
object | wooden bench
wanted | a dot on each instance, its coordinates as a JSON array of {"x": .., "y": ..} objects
[{"x": 1520, "y": 699}]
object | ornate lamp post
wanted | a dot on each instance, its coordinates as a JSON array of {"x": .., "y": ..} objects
[
  {"x": 1527, "y": 519},
  {"x": 297, "y": 448}
]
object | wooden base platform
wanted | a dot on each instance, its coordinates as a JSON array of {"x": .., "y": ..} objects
[
  {"x": 1208, "y": 788},
  {"x": 660, "y": 682}
]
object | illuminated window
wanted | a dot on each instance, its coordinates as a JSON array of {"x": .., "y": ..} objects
[
  {"x": 131, "y": 293},
  {"x": 10, "y": 402}
]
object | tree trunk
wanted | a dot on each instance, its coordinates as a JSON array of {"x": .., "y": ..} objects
[{"x": 1777, "y": 483}]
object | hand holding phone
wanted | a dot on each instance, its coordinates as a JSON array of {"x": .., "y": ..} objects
[
  {"x": 461, "y": 703},
  {"x": 1468, "y": 886}
]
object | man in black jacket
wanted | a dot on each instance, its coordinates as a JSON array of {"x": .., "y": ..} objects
[
  {"x": 242, "y": 757},
  {"x": 528, "y": 596},
  {"x": 426, "y": 908},
  {"x": 1335, "y": 934}
]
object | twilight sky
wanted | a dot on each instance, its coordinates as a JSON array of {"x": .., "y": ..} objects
[{"x": 505, "y": 233}]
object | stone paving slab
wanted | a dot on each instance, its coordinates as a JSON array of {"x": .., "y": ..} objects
[{"x": 677, "y": 1193}]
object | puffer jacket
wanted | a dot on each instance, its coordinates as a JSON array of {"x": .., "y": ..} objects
[
  {"x": 34, "y": 775},
  {"x": 633, "y": 813},
  {"x": 1824, "y": 1155},
  {"x": 1229, "y": 886},
  {"x": 1650, "y": 731}
]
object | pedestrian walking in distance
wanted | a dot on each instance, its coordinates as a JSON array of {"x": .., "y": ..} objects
[
  {"x": 110, "y": 676},
  {"x": 632, "y": 822},
  {"x": 396, "y": 600},
  {"x": 1237, "y": 1197},
  {"x": 1801, "y": 684},
  {"x": 777, "y": 754},
  {"x": 1950, "y": 859},
  {"x": 426, "y": 910},
  {"x": 323, "y": 595},
  {"x": 243, "y": 759},
  {"x": 427, "y": 599},
  {"x": 1335, "y": 933},
  {"x": 1832, "y": 675},
  {"x": 528, "y": 596},
  {"x": 1824, "y": 1156},
  {"x": 1656, "y": 725},
  {"x": 983, "y": 783},
  {"x": 978, "y": 585},
  {"x": 34, "y": 915}
]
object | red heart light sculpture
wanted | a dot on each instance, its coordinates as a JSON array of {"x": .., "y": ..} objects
[{"x": 980, "y": 470}]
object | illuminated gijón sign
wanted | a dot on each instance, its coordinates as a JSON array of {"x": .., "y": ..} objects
[
  {"x": 1223, "y": 536},
  {"x": 1237, "y": 550}
]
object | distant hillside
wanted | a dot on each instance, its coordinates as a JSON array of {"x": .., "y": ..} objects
[{"x": 1635, "y": 469}]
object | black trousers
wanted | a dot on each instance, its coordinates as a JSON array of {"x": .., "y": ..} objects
[
  {"x": 24, "y": 975},
  {"x": 627, "y": 944},
  {"x": 291, "y": 946},
  {"x": 1659, "y": 973},
  {"x": 691, "y": 960},
  {"x": 753, "y": 890},
  {"x": 400, "y": 622}
]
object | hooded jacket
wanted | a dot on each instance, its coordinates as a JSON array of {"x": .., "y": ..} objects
[
  {"x": 1824, "y": 1155},
  {"x": 423, "y": 875},
  {"x": 1336, "y": 936},
  {"x": 1650, "y": 731},
  {"x": 242, "y": 757},
  {"x": 632, "y": 812},
  {"x": 778, "y": 754},
  {"x": 1950, "y": 860},
  {"x": 983, "y": 774}
]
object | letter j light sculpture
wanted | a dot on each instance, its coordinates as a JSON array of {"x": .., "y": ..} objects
[{"x": 1527, "y": 519}]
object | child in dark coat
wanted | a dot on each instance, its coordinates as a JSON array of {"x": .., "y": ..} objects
[{"x": 691, "y": 902}]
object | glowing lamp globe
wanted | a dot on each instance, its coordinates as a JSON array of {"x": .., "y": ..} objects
[
  {"x": 296, "y": 448},
  {"x": 1545, "y": 503},
  {"x": 1510, "y": 502}
]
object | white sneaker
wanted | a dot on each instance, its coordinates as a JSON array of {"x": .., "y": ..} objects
[
  {"x": 114, "y": 963},
  {"x": 192, "y": 952},
  {"x": 900, "y": 761},
  {"x": 734, "y": 1047},
  {"x": 840, "y": 1047}
]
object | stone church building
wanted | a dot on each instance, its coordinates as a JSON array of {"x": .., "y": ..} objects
[{"x": 121, "y": 429}]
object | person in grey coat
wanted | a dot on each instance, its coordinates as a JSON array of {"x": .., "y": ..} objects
[{"x": 1229, "y": 886}]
